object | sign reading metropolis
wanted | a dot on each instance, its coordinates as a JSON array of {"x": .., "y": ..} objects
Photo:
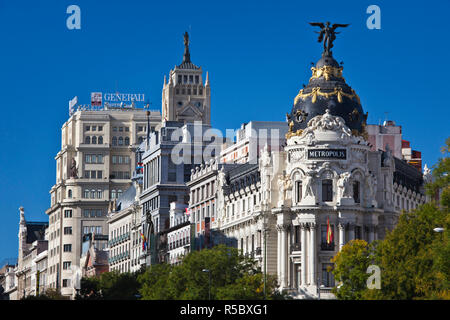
[
  {"x": 340, "y": 154},
  {"x": 115, "y": 99}
]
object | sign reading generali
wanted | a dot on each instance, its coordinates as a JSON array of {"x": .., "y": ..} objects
[
  {"x": 97, "y": 98},
  {"x": 340, "y": 154}
]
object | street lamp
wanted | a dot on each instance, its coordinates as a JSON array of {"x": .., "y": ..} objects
[{"x": 209, "y": 286}]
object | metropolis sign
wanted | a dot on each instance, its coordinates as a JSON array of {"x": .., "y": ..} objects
[{"x": 339, "y": 154}]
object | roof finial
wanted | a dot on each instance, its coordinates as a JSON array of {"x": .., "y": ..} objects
[
  {"x": 186, "y": 56},
  {"x": 207, "y": 79}
]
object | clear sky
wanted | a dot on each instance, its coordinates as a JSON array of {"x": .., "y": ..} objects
[{"x": 258, "y": 55}]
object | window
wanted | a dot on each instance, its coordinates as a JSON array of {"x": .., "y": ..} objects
[
  {"x": 88, "y": 128},
  {"x": 99, "y": 174},
  {"x": 113, "y": 194},
  {"x": 67, "y": 230},
  {"x": 66, "y": 265},
  {"x": 356, "y": 191},
  {"x": 100, "y": 128},
  {"x": 197, "y": 79},
  {"x": 114, "y": 141},
  {"x": 327, "y": 276},
  {"x": 323, "y": 235},
  {"x": 87, "y": 158},
  {"x": 92, "y": 213},
  {"x": 67, "y": 213},
  {"x": 127, "y": 129},
  {"x": 100, "y": 140},
  {"x": 115, "y": 129},
  {"x": 98, "y": 230},
  {"x": 140, "y": 128},
  {"x": 298, "y": 191},
  {"x": 327, "y": 190},
  {"x": 94, "y": 128},
  {"x": 140, "y": 139},
  {"x": 98, "y": 213},
  {"x": 99, "y": 193},
  {"x": 87, "y": 140},
  {"x": 67, "y": 248},
  {"x": 66, "y": 283},
  {"x": 69, "y": 194},
  {"x": 85, "y": 230},
  {"x": 127, "y": 141},
  {"x": 120, "y": 141},
  {"x": 94, "y": 140},
  {"x": 86, "y": 213},
  {"x": 120, "y": 129}
]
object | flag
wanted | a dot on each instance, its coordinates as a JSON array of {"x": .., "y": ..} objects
[
  {"x": 329, "y": 232},
  {"x": 144, "y": 242},
  {"x": 188, "y": 212}
]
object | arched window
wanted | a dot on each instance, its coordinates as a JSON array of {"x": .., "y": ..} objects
[
  {"x": 69, "y": 194},
  {"x": 114, "y": 141},
  {"x": 99, "y": 194},
  {"x": 100, "y": 140},
  {"x": 113, "y": 194},
  {"x": 94, "y": 140},
  {"x": 87, "y": 140},
  {"x": 92, "y": 194},
  {"x": 119, "y": 193},
  {"x": 127, "y": 141},
  {"x": 120, "y": 141}
]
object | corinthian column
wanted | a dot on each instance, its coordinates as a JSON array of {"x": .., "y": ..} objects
[
  {"x": 312, "y": 254},
  {"x": 303, "y": 254},
  {"x": 283, "y": 229},
  {"x": 341, "y": 227}
]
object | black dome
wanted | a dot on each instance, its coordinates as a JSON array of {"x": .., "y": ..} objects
[{"x": 327, "y": 90}]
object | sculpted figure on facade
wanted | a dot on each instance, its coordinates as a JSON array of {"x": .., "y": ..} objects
[
  {"x": 344, "y": 185},
  {"x": 284, "y": 186},
  {"x": 326, "y": 122},
  {"x": 309, "y": 185},
  {"x": 427, "y": 177},
  {"x": 73, "y": 169}
]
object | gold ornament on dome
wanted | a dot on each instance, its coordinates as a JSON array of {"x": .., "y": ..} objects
[
  {"x": 327, "y": 72},
  {"x": 317, "y": 92},
  {"x": 292, "y": 134}
]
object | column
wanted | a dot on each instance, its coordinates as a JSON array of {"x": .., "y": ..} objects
[
  {"x": 312, "y": 254},
  {"x": 371, "y": 233},
  {"x": 279, "y": 255},
  {"x": 351, "y": 231},
  {"x": 341, "y": 227},
  {"x": 303, "y": 256},
  {"x": 283, "y": 265}
]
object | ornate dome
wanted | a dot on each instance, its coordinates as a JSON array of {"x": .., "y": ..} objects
[{"x": 327, "y": 90}]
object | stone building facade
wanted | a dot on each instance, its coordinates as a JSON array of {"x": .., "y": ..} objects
[{"x": 93, "y": 167}]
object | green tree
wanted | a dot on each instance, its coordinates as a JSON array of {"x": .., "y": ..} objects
[
  {"x": 350, "y": 269},
  {"x": 232, "y": 277},
  {"x": 441, "y": 177},
  {"x": 109, "y": 286}
]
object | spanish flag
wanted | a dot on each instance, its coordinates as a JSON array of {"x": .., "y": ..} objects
[
  {"x": 329, "y": 232},
  {"x": 144, "y": 242}
]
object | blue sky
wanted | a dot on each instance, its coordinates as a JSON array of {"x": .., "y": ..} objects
[{"x": 258, "y": 55}]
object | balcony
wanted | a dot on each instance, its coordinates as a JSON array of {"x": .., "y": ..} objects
[{"x": 327, "y": 247}]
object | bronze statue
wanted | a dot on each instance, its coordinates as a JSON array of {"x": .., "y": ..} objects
[
  {"x": 327, "y": 34},
  {"x": 187, "y": 55}
]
